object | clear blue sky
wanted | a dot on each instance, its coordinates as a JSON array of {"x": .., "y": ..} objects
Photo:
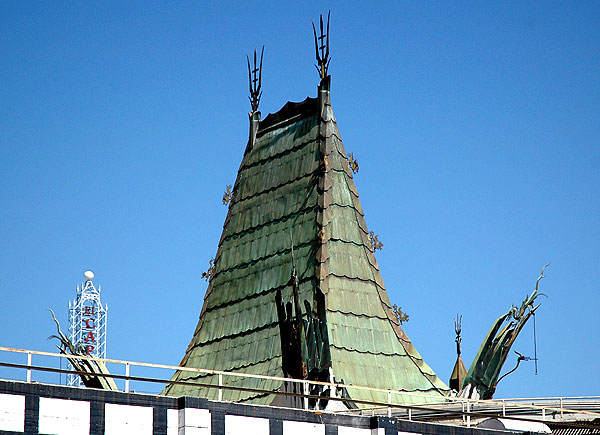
[{"x": 476, "y": 126}]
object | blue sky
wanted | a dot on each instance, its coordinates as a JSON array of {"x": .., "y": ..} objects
[{"x": 476, "y": 127}]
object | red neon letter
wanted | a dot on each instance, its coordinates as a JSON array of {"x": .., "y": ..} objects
[
  {"x": 89, "y": 349},
  {"x": 90, "y": 337},
  {"x": 87, "y": 323}
]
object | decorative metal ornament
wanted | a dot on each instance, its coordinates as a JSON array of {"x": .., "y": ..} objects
[
  {"x": 254, "y": 81},
  {"x": 322, "y": 47},
  {"x": 458, "y": 330}
]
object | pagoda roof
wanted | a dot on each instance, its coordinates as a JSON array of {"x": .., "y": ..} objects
[{"x": 294, "y": 186}]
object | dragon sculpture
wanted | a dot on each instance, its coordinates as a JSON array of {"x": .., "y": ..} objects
[
  {"x": 482, "y": 378},
  {"x": 93, "y": 373}
]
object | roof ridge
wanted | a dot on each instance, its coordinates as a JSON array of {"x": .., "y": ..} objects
[
  {"x": 287, "y": 112},
  {"x": 333, "y": 149}
]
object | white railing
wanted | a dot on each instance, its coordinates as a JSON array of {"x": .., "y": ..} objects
[{"x": 431, "y": 408}]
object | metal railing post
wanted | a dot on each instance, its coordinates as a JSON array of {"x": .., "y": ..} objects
[
  {"x": 305, "y": 387},
  {"x": 28, "y": 366},
  {"x": 127, "y": 375},
  {"x": 389, "y": 410},
  {"x": 561, "y": 408},
  {"x": 409, "y": 414},
  {"x": 468, "y": 414},
  {"x": 220, "y": 389},
  {"x": 543, "y": 414}
]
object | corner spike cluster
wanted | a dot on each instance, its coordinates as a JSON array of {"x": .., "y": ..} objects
[
  {"x": 322, "y": 47},
  {"x": 322, "y": 56},
  {"x": 255, "y": 82}
]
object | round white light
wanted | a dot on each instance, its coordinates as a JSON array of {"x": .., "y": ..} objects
[{"x": 88, "y": 275}]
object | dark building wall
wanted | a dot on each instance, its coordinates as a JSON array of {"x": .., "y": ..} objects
[{"x": 39, "y": 408}]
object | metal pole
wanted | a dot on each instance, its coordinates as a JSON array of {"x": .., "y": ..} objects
[
  {"x": 220, "y": 389},
  {"x": 409, "y": 414},
  {"x": 389, "y": 403},
  {"x": 468, "y": 414},
  {"x": 28, "y": 366},
  {"x": 305, "y": 384},
  {"x": 127, "y": 380},
  {"x": 561, "y": 408},
  {"x": 543, "y": 414}
]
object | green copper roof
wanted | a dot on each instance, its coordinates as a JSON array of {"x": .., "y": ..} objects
[{"x": 295, "y": 176}]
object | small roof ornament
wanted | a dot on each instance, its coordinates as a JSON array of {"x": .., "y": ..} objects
[
  {"x": 458, "y": 330},
  {"x": 322, "y": 47},
  {"x": 459, "y": 373},
  {"x": 255, "y": 82}
]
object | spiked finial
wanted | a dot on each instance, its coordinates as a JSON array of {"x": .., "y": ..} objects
[
  {"x": 322, "y": 47},
  {"x": 255, "y": 82},
  {"x": 458, "y": 330}
]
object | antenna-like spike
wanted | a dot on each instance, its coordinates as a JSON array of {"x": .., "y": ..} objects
[
  {"x": 321, "y": 24},
  {"x": 316, "y": 43},
  {"x": 249, "y": 77},
  {"x": 260, "y": 68},
  {"x": 327, "y": 53}
]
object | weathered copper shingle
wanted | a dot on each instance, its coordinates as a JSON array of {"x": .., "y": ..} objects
[{"x": 295, "y": 178}]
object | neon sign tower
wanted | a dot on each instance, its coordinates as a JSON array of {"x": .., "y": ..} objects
[{"x": 87, "y": 323}]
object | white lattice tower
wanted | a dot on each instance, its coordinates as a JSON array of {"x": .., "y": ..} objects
[{"x": 87, "y": 323}]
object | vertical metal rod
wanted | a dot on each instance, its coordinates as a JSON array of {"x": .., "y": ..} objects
[
  {"x": 220, "y": 385},
  {"x": 543, "y": 414},
  {"x": 28, "y": 366},
  {"x": 127, "y": 377},
  {"x": 389, "y": 411},
  {"x": 305, "y": 385},
  {"x": 409, "y": 414},
  {"x": 561, "y": 408},
  {"x": 468, "y": 414},
  {"x": 535, "y": 358}
]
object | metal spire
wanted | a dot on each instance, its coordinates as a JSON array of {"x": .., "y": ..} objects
[
  {"x": 322, "y": 47},
  {"x": 255, "y": 82}
]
